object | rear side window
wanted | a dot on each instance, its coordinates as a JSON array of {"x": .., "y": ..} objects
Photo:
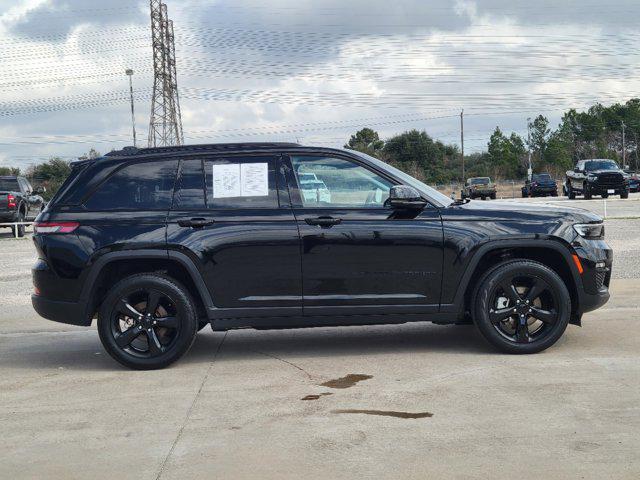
[
  {"x": 138, "y": 186},
  {"x": 241, "y": 182}
]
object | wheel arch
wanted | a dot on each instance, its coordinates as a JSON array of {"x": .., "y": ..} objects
[
  {"x": 114, "y": 266},
  {"x": 551, "y": 253}
]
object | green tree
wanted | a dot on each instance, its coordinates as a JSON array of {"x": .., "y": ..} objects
[
  {"x": 505, "y": 154},
  {"x": 540, "y": 131},
  {"x": 9, "y": 171},
  {"x": 419, "y": 155},
  {"x": 50, "y": 175},
  {"x": 366, "y": 141}
]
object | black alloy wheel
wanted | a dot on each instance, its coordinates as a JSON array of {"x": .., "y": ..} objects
[
  {"x": 148, "y": 321},
  {"x": 522, "y": 307}
]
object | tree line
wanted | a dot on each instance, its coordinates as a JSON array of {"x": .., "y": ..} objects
[{"x": 594, "y": 133}]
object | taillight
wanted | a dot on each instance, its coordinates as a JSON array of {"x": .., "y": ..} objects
[
  {"x": 11, "y": 201},
  {"x": 55, "y": 227}
]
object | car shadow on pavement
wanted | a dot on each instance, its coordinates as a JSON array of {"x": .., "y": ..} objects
[
  {"x": 340, "y": 341},
  {"x": 82, "y": 351}
]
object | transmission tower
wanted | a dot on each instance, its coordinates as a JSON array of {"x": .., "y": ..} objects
[{"x": 165, "y": 127}]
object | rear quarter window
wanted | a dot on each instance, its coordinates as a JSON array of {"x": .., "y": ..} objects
[{"x": 137, "y": 186}]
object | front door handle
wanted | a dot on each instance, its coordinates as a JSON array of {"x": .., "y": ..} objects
[
  {"x": 196, "y": 222},
  {"x": 324, "y": 222}
]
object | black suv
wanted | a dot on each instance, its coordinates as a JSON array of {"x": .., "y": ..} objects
[
  {"x": 597, "y": 177},
  {"x": 158, "y": 243}
]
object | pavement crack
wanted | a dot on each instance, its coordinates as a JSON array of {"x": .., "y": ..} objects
[
  {"x": 285, "y": 361},
  {"x": 190, "y": 410}
]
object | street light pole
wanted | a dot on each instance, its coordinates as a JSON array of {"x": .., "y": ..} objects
[
  {"x": 129, "y": 73},
  {"x": 530, "y": 169},
  {"x": 624, "y": 147}
]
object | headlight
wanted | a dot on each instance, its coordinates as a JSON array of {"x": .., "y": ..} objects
[
  {"x": 592, "y": 231},
  {"x": 592, "y": 178}
]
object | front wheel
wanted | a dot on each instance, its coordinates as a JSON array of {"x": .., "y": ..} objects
[
  {"x": 147, "y": 321},
  {"x": 521, "y": 307},
  {"x": 625, "y": 194}
]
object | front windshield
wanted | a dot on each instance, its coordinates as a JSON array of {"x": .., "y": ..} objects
[
  {"x": 423, "y": 188},
  {"x": 542, "y": 177},
  {"x": 593, "y": 165},
  {"x": 479, "y": 181}
]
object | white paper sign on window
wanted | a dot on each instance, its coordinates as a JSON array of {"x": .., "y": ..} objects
[
  {"x": 226, "y": 181},
  {"x": 241, "y": 180},
  {"x": 254, "y": 179}
]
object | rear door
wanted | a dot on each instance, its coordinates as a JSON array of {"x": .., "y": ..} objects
[{"x": 232, "y": 216}]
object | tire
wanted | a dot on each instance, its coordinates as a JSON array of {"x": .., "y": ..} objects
[
  {"x": 605, "y": 195},
  {"x": 553, "y": 305},
  {"x": 524, "y": 194},
  {"x": 493, "y": 196},
  {"x": 570, "y": 193},
  {"x": 21, "y": 228},
  {"x": 156, "y": 339},
  {"x": 624, "y": 194},
  {"x": 586, "y": 190}
]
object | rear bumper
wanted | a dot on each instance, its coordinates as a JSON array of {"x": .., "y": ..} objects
[
  {"x": 8, "y": 217},
  {"x": 64, "y": 312}
]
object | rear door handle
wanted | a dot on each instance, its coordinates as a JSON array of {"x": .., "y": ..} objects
[
  {"x": 324, "y": 222},
  {"x": 196, "y": 222}
]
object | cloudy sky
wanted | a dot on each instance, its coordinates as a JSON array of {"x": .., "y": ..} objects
[{"x": 307, "y": 71}]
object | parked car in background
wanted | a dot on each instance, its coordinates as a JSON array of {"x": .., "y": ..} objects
[
  {"x": 479, "y": 187},
  {"x": 634, "y": 180},
  {"x": 158, "y": 243},
  {"x": 19, "y": 202},
  {"x": 540, "y": 185},
  {"x": 596, "y": 177}
]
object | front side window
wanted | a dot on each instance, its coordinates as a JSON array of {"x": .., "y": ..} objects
[
  {"x": 138, "y": 186},
  {"x": 241, "y": 182},
  {"x": 334, "y": 182}
]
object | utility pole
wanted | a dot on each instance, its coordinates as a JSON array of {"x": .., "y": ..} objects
[
  {"x": 165, "y": 126},
  {"x": 530, "y": 168},
  {"x": 624, "y": 147},
  {"x": 129, "y": 73},
  {"x": 462, "y": 143}
]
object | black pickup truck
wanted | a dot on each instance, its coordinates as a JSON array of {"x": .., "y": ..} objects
[
  {"x": 596, "y": 177},
  {"x": 19, "y": 202}
]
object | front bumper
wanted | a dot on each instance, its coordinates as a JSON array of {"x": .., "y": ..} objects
[{"x": 596, "y": 258}]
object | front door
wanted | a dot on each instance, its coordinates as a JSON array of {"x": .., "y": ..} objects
[
  {"x": 359, "y": 256},
  {"x": 231, "y": 215}
]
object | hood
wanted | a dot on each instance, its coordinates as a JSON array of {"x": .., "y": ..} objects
[
  {"x": 600, "y": 172},
  {"x": 527, "y": 211}
]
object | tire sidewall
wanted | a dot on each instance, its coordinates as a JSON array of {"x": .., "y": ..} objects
[
  {"x": 185, "y": 312},
  {"x": 526, "y": 267}
]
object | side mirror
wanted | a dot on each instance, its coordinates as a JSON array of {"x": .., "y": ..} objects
[
  {"x": 405, "y": 197},
  {"x": 39, "y": 190}
]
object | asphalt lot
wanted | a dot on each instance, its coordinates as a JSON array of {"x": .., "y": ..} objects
[{"x": 250, "y": 404}]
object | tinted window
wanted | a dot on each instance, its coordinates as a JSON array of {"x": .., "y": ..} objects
[
  {"x": 326, "y": 181},
  {"x": 541, "y": 177},
  {"x": 139, "y": 186},
  {"x": 241, "y": 182},
  {"x": 479, "y": 181},
  {"x": 190, "y": 191},
  {"x": 9, "y": 185},
  {"x": 600, "y": 165}
]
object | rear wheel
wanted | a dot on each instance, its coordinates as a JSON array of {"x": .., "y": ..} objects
[
  {"x": 587, "y": 191},
  {"x": 625, "y": 194},
  {"x": 493, "y": 196},
  {"x": 20, "y": 228},
  {"x": 522, "y": 307},
  {"x": 147, "y": 321}
]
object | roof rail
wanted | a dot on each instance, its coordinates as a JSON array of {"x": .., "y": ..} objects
[{"x": 213, "y": 147}]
